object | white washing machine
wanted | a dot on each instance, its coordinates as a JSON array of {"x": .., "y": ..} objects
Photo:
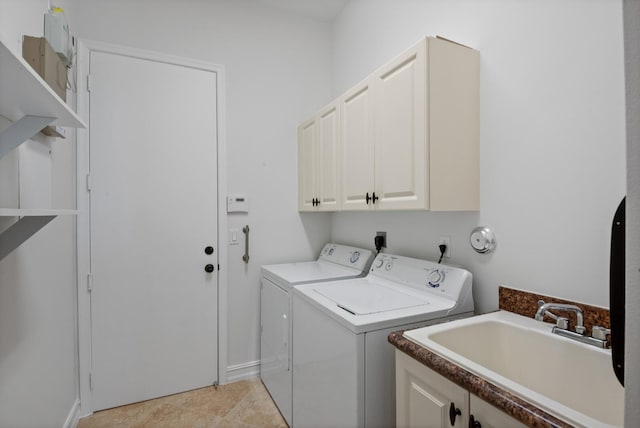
[
  {"x": 335, "y": 262},
  {"x": 344, "y": 370}
]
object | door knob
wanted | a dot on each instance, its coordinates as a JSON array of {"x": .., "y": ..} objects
[
  {"x": 209, "y": 268},
  {"x": 208, "y": 250}
]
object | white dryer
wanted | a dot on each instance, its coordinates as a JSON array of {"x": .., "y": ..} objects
[
  {"x": 336, "y": 262},
  {"x": 344, "y": 370}
]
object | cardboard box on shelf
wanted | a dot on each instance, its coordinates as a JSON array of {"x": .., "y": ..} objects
[{"x": 45, "y": 61}]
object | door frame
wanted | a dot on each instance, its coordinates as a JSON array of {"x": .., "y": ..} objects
[{"x": 83, "y": 254}]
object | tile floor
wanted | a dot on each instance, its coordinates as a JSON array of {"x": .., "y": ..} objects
[{"x": 244, "y": 404}]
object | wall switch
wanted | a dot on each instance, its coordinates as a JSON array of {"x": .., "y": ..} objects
[
  {"x": 234, "y": 236},
  {"x": 446, "y": 240}
]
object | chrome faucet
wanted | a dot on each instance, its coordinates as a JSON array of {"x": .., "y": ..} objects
[
  {"x": 598, "y": 335},
  {"x": 561, "y": 322}
]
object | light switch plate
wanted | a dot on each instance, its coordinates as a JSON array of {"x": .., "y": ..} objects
[{"x": 234, "y": 236}]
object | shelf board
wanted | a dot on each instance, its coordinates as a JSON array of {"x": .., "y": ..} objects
[
  {"x": 33, "y": 212},
  {"x": 24, "y": 93},
  {"x": 30, "y": 221}
]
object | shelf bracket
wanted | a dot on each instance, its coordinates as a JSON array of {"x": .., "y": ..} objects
[
  {"x": 20, "y": 231},
  {"x": 22, "y": 130}
]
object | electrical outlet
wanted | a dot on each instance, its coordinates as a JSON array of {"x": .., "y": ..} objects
[{"x": 446, "y": 240}]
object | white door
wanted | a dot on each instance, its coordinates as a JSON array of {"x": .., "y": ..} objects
[{"x": 153, "y": 212}]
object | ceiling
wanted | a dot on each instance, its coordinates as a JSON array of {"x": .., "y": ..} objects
[{"x": 324, "y": 10}]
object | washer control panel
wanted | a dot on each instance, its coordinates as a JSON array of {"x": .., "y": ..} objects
[
  {"x": 424, "y": 275},
  {"x": 344, "y": 255}
]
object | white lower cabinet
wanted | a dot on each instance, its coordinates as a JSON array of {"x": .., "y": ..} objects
[
  {"x": 484, "y": 415},
  {"x": 426, "y": 399}
]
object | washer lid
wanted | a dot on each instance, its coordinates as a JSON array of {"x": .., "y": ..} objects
[
  {"x": 363, "y": 298},
  {"x": 289, "y": 274}
]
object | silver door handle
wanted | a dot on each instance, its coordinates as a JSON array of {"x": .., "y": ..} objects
[{"x": 245, "y": 230}]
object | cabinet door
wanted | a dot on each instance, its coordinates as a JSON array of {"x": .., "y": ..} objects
[
  {"x": 306, "y": 165},
  {"x": 401, "y": 164},
  {"x": 357, "y": 160},
  {"x": 490, "y": 417},
  {"x": 327, "y": 173},
  {"x": 424, "y": 398}
]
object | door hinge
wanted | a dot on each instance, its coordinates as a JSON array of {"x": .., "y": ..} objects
[
  {"x": 88, "y": 182},
  {"x": 91, "y": 381},
  {"x": 218, "y": 268},
  {"x": 88, "y": 83},
  {"x": 89, "y": 282}
]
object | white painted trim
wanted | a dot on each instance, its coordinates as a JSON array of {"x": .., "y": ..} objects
[
  {"x": 74, "y": 416},
  {"x": 85, "y": 47},
  {"x": 243, "y": 371}
]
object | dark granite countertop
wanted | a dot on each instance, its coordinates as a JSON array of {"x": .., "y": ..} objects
[{"x": 511, "y": 404}]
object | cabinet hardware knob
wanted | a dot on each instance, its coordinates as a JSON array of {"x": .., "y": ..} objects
[
  {"x": 208, "y": 250},
  {"x": 473, "y": 423},
  {"x": 453, "y": 412},
  {"x": 209, "y": 268}
]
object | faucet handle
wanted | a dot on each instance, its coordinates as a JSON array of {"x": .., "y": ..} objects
[
  {"x": 600, "y": 333},
  {"x": 562, "y": 322}
]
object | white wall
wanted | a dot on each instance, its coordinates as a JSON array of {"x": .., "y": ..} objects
[
  {"x": 632, "y": 330},
  {"x": 552, "y": 137},
  {"x": 38, "y": 358},
  {"x": 277, "y": 72}
]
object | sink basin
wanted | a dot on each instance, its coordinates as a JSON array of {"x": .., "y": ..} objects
[{"x": 571, "y": 380}]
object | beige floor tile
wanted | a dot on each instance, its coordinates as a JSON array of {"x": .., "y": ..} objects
[{"x": 244, "y": 404}]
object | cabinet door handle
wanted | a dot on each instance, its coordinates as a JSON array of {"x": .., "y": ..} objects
[
  {"x": 453, "y": 412},
  {"x": 374, "y": 198},
  {"x": 367, "y": 198},
  {"x": 473, "y": 423}
]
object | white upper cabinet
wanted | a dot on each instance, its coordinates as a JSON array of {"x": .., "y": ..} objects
[
  {"x": 318, "y": 146},
  {"x": 400, "y": 132},
  {"x": 409, "y": 136},
  {"x": 306, "y": 165},
  {"x": 357, "y": 167}
]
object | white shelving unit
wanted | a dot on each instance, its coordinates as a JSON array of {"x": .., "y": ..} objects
[{"x": 30, "y": 104}]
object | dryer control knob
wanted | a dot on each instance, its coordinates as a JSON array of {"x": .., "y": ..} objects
[
  {"x": 354, "y": 257},
  {"x": 379, "y": 262}
]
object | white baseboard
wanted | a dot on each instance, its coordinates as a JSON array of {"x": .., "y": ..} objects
[
  {"x": 74, "y": 416},
  {"x": 243, "y": 371}
]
